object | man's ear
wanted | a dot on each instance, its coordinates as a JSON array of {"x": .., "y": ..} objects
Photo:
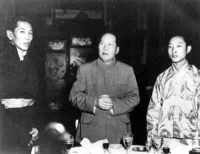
[
  {"x": 189, "y": 48},
  {"x": 9, "y": 34},
  {"x": 117, "y": 50}
]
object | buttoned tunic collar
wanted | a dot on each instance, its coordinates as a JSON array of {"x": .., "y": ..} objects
[{"x": 105, "y": 66}]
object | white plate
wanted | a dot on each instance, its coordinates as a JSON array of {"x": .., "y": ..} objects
[
  {"x": 79, "y": 150},
  {"x": 115, "y": 146}
]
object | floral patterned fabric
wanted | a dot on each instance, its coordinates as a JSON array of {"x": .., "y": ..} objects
[{"x": 173, "y": 110}]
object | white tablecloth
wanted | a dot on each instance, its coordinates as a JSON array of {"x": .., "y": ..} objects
[
  {"x": 83, "y": 150},
  {"x": 111, "y": 150},
  {"x": 97, "y": 148}
]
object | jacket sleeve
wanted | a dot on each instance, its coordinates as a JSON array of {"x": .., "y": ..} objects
[
  {"x": 154, "y": 108},
  {"x": 125, "y": 104},
  {"x": 197, "y": 101},
  {"x": 78, "y": 96}
]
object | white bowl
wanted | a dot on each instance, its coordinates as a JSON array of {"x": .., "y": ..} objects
[{"x": 139, "y": 148}]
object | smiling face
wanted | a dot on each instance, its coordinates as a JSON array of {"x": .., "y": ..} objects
[
  {"x": 178, "y": 49},
  {"x": 108, "y": 48},
  {"x": 22, "y": 36}
]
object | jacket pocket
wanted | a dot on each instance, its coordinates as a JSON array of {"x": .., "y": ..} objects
[
  {"x": 127, "y": 125},
  {"x": 119, "y": 88},
  {"x": 86, "y": 119},
  {"x": 93, "y": 89},
  {"x": 126, "y": 119}
]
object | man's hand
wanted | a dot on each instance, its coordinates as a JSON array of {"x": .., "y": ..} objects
[
  {"x": 104, "y": 102},
  {"x": 35, "y": 134}
]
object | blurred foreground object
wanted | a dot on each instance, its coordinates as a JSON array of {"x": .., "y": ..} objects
[
  {"x": 54, "y": 136},
  {"x": 55, "y": 130}
]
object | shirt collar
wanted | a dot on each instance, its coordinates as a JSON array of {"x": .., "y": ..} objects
[
  {"x": 103, "y": 65},
  {"x": 185, "y": 65},
  {"x": 12, "y": 51},
  {"x": 21, "y": 55}
]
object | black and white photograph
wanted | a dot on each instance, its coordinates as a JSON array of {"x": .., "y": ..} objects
[{"x": 99, "y": 76}]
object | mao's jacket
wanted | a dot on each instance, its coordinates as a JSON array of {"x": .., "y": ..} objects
[{"x": 95, "y": 79}]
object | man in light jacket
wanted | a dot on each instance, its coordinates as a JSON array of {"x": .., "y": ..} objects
[{"x": 106, "y": 92}]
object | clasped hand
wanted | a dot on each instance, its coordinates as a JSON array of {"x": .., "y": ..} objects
[
  {"x": 35, "y": 134},
  {"x": 105, "y": 102}
]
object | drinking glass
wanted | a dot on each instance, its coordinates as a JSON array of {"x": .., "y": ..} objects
[
  {"x": 68, "y": 144},
  {"x": 105, "y": 146},
  {"x": 127, "y": 140}
]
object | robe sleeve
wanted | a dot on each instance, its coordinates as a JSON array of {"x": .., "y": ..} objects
[
  {"x": 197, "y": 100},
  {"x": 154, "y": 108}
]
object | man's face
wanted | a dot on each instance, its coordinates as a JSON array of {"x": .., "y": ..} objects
[
  {"x": 22, "y": 36},
  {"x": 177, "y": 49},
  {"x": 108, "y": 48}
]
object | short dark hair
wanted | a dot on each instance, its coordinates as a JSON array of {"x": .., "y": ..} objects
[
  {"x": 186, "y": 37},
  {"x": 12, "y": 22},
  {"x": 110, "y": 31}
]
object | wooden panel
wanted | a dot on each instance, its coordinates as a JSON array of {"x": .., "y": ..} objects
[{"x": 56, "y": 64}]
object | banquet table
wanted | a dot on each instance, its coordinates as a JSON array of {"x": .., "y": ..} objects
[
  {"x": 86, "y": 147},
  {"x": 113, "y": 149},
  {"x": 116, "y": 149}
]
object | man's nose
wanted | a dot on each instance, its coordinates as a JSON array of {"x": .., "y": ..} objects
[
  {"x": 105, "y": 47},
  {"x": 28, "y": 36},
  {"x": 173, "y": 49}
]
